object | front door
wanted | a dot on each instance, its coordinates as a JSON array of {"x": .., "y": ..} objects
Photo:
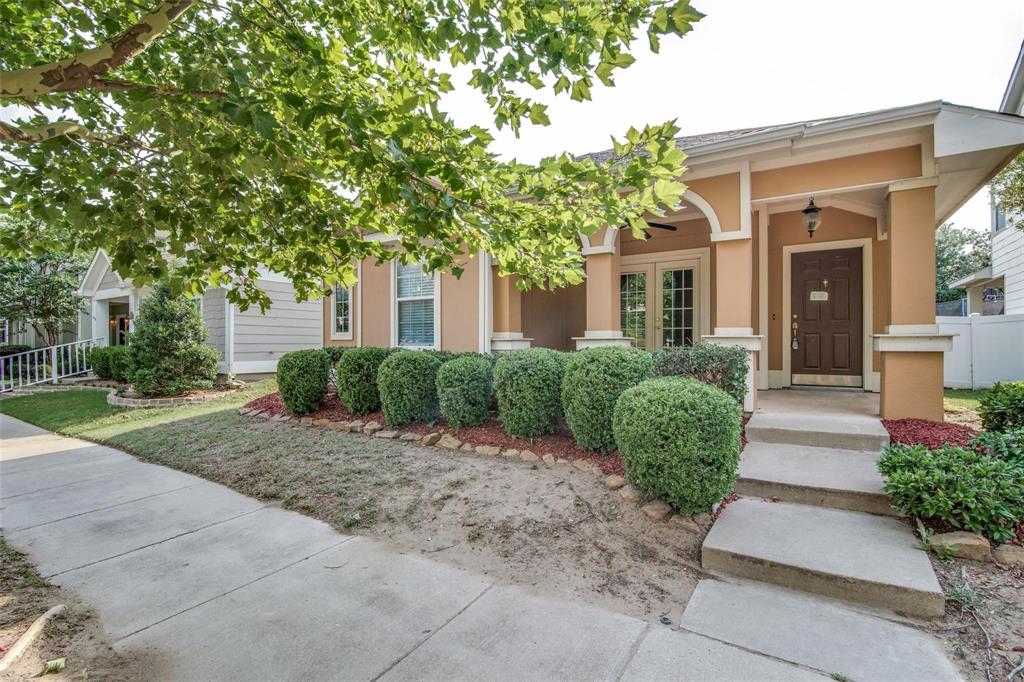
[{"x": 827, "y": 318}]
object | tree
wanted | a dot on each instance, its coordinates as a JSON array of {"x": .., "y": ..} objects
[
  {"x": 280, "y": 132},
  {"x": 1008, "y": 191},
  {"x": 959, "y": 251},
  {"x": 42, "y": 292},
  {"x": 168, "y": 354}
]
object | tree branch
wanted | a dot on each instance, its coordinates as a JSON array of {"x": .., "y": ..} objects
[
  {"x": 117, "y": 85},
  {"x": 82, "y": 70},
  {"x": 48, "y": 131}
]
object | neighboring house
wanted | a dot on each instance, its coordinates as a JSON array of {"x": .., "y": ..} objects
[
  {"x": 248, "y": 342},
  {"x": 854, "y": 306},
  {"x": 1007, "y": 269}
]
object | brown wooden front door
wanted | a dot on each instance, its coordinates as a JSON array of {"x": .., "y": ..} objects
[{"x": 827, "y": 318}]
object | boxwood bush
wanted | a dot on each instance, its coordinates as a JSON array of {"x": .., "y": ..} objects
[
  {"x": 99, "y": 362},
  {"x": 407, "y": 382},
  {"x": 119, "y": 363},
  {"x": 679, "y": 440},
  {"x": 594, "y": 379},
  {"x": 722, "y": 366},
  {"x": 528, "y": 384},
  {"x": 1002, "y": 406},
  {"x": 963, "y": 488},
  {"x": 302, "y": 378},
  {"x": 357, "y": 378},
  {"x": 464, "y": 387}
]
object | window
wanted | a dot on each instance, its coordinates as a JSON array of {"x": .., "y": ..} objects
[
  {"x": 415, "y": 306},
  {"x": 633, "y": 307},
  {"x": 341, "y": 328},
  {"x": 677, "y": 303},
  {"x": 4, "y": 335}
]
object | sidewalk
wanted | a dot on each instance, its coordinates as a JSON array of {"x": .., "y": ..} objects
[{"x": 213, "y": 585}]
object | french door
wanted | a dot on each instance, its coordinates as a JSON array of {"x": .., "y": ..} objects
[{"x": 658, "y": 304}]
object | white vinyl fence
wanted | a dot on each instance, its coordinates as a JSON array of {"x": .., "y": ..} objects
[{"x": 986, "y": 349}]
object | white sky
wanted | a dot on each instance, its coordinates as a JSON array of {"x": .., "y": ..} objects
[{"x": 752, "y": 63}]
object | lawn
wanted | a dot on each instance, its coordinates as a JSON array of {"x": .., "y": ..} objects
[{"x": 964, "y": 397}]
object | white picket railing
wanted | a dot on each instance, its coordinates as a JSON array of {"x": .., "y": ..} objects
[{"x": 45, "y": 365}]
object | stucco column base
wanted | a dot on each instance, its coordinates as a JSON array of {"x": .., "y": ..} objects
[
  {"x": 911, "y": 385},
  {"x": 745, "y": 338},
  {"x": 506, "y": 341},
  {"x": 597, "y": 338}
]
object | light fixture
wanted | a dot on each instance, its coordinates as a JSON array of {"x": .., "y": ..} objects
[{"x": 812, "y": 218}]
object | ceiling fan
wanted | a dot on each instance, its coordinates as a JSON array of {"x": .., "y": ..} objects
[{"x": 657, "y": 226}]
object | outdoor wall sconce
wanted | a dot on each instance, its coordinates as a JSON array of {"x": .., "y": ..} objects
[{"x": 812, "y": 218}]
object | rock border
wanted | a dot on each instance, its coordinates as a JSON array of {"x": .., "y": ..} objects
[
  {"x": 655, "y": 510},
  {"x": 135, "y": 403}
]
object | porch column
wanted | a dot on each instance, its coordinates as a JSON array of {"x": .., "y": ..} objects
[
  {"x": 911, "y": 347},
  {"x": 976, "y": 300},
  {"x": 101, "y": 322},
  {"x": 734, "y": 286},
  {"x": 508, "y": 314},
  {"x": 603, "y": 322}
]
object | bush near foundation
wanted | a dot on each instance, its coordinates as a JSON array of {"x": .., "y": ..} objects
[
  {"x": 593, "y": 381},
  {"x": 1002, "y": 407},
  {"x": 722, "y": 366},
  {"x": 528, "y": 384},
  {"x": 119, "y": 363},
  {"x": 680, "y": 441},
  {"x": 407, "y": 382},
  {"x": 963, "y": 488},
  {"x": 302, "y": 378},
  {"x": 99, "y": 362},
  {"x": 357, "y": 378},
  {"x": 464, "y": 388}
]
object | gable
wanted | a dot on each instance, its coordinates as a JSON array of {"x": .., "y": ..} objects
[{"x": 101, "y": 276}]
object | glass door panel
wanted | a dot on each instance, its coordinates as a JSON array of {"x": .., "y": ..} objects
[
  {"x": 677, "y": 309},
  {"x": 633, "y": 307}
]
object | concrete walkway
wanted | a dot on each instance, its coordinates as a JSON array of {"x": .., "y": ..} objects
[{"x": 213, "y": 585}]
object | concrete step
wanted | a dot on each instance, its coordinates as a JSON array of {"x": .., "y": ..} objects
[
  {"x": 828, "y": 430},
  {"x": 815, "y": 632},
  {"x": 856, "y": 557},
  {"x": 824, "y": 477}
]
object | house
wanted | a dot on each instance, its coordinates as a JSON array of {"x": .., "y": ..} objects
[
  {"x": 851, "y": 305},
  {"x": 1007, "y": 269},
  {"x": 249, "y": 342}
]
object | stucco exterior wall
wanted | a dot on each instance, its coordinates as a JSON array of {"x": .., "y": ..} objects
[
  {"x": 553, "y": 318},
  {"x": 847, "y": 171},
  {"x": 460, "y": 308}
]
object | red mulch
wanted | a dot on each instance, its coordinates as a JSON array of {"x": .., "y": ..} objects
[
  {"x": 928, "y": 433},
  {"x": 559, "y": 444}
]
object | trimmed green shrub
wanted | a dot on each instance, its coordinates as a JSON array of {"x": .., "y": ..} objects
[
  {"x": 13, "y": 349},
  {"x": 335, "y": 353},
  {"x": 1002, "y": 406},
  {"x": 528, "y": 386},
  {"x": 99, "y": 362},
  {"x": 1008, "y": 445},
  {"x": 357, "y": 378},
  {"x": 722, "y": 366},
  {"x": 407, "y": 382},
  {"x": 594, "y": 379},
  {"x": 119, "y": 363},
  {"x": 302, "y": 379},
  {"x": 680, "y": 441},
  {"x": 964, "y": 488},
  {"x": 464, "y": 387},
  {"x": 168, "y": 350}
]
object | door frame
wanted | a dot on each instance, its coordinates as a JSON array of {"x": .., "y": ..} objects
[
  {"x": 699, "y": 259},
  {"x": 867, "y": 296}
]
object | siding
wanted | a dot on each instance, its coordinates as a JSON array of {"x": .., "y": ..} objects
[
  {"x": 213, "y": 318},
  {"x": 109, "y": 280},
  {"x": 1008, "y": 261},
  {"x": 285, "y": 327}
]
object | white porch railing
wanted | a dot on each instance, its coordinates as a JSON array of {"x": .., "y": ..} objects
[{"x": 45, "y": 365}]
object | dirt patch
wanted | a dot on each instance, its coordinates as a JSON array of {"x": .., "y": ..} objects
[
  {"x": 73, "y": 635},
  {"x": 983, "y": 629},
  {"x": 557, "y": 529}
]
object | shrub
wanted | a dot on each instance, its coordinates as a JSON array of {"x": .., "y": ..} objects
[
  {"x": 99, "y": 361},
  {"x": 679, "y": 440},
  {"x": 357, "y": 378},
  {"x": 13, "y": 348},
  {"x": 335, "y": 353},
  {"x": 407, "y": 382},
  {"x": 302, "y": 379},
  {"x": 1008, "y": 445},
  {"x": 964, "y": 488},
  {"x": 722, "y": 366},
  {"x": 528, "y": 385},
  {"x": 168, "y": 352},
  {"x": 118, "y": 363},
  {"x": 594, "y": 379},
  {"x": 464, "y": 388},
  {"x": 1002, "y": 407}
]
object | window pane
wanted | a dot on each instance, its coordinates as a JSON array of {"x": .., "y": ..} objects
[
  {"x": 677, "y": 308},
  {"x": 412, "y": 281},
  {"x": 342, "y": 311},
  {"x": 416, "y": 323},
  {"x": 633, "y": 307}
]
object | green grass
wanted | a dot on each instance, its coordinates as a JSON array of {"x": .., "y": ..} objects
[{"x": 964, "y": 397}]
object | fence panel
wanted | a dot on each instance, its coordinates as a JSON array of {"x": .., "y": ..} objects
[{"x": 987, "y": 349}]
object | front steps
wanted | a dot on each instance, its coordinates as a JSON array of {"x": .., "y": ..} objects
[{"x": 843, "y": 431}]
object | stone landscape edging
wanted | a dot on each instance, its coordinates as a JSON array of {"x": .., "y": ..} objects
[
  {"x": 656, "y": 510},
  {"x": 135, "y": 403}
]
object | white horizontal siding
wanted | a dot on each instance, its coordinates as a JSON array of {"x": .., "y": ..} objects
[
  {"x": 109, "y": 280},
  {"x": 1008, "y": 261},
  {"x": 286, "y": 326}
]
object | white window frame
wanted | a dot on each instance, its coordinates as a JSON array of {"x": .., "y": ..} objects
[
  {"x": 5, "y": 334},
  {"x": 335, "y": 334},
  {"x": 394, "y": 310}
]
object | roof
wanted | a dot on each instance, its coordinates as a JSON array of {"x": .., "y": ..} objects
[
  {"x": 981, "y": 277},
  {"x": 1013, "y": 97}
]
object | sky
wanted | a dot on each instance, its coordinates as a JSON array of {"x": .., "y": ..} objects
[{"x": 751, "y": 62}]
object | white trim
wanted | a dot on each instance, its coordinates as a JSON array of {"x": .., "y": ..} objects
[
  {"x": 762, "y": 293},
  {"x": 359, "y": 309},
  {"x": 745, "y": 207},
  {"x": 267, "y": 275},
  {"x": 88, "y": 292},
  {"x": 593, "y": 250},
  {"x": 701, "y": 203},
  {"x": 105, "y": 294},
  {"x": 394, "y": 309},
  {"x": 913, "y": 183},
  {"x": 254, "y": 367},
  {"x": 503, "y": 341},
  {"x": 334, "y": 334},
  {"x": 744, "y": 338},
  {"x": 597, "y": 342},
  {"x": 867, "y": 295},
  {"x": 485, "y": 302},
  {"x": 914, "y": 343},
  {"x": 5, "y": 334},
  {"x": 730, "y": 235},
  {"x": 702, "y": 256}
]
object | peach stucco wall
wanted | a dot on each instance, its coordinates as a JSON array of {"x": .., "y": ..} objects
[
  {"x": 723, "y": 193},
  {"x": 460, "y": 308},
  {"x": 861, "y": 169},
  {"x": 553, "y": 318}
]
